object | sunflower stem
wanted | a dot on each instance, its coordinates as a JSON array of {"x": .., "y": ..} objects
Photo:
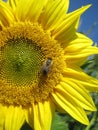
[{"x": 91, "y": 122}]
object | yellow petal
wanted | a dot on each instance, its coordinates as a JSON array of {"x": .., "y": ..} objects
[
  {"x": 69, "y": 23},
  {"x": 6, "y": 14},
  {"x": 79, "y": 49},
  {"x": 81, "y": 41},
  {"x": 54, "y": 13},
  {"x": 78, "y": 94},
  {"x": 75, "y": 41},
  {"x": 84, "y": 52},
  {"x": 14, "y": 118},
  {"x": 30, "y": 9},
  {"x": 70, "y": 107},
  {"x": 13, "y": 3},
  {"x": 75, "y": 74},
  {"x": 78, "y": 23},
  {"x": 2, "y": 116},
  {"x": 29, "y": 116},
  {"x": 43, "y": 114}
]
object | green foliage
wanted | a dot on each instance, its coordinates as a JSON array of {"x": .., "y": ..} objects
[
  {"x": 59, "y": 123},
  {"x": 26, "y": 127}
]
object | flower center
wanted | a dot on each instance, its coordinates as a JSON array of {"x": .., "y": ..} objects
[
  {"x": 31, "y": 64},
  {"x": 21, "y": 61}
]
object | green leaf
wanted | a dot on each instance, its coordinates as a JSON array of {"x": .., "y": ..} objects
[{"x": 59, "y": 123}]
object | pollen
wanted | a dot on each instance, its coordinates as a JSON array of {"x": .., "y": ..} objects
[{"x": 24, "y": 49}]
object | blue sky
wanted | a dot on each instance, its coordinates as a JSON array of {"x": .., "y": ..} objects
[{"x": 89, "y": 19}]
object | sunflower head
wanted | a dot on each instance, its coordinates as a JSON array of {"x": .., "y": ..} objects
[{"x": 41, "y": 54}]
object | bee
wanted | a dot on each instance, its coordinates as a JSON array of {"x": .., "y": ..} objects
[{"x": 47, "y": 66}]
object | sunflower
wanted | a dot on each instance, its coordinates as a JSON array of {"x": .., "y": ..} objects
[{"x": 41, "y": 54}]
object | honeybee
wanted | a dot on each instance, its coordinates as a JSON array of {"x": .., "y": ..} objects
[{"x": 47, "y": 66}]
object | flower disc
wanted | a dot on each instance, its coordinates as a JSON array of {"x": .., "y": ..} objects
[{"x": 23, "y": 54}]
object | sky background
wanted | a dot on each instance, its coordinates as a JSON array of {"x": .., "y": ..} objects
[{"x": 89, "y": 19}]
